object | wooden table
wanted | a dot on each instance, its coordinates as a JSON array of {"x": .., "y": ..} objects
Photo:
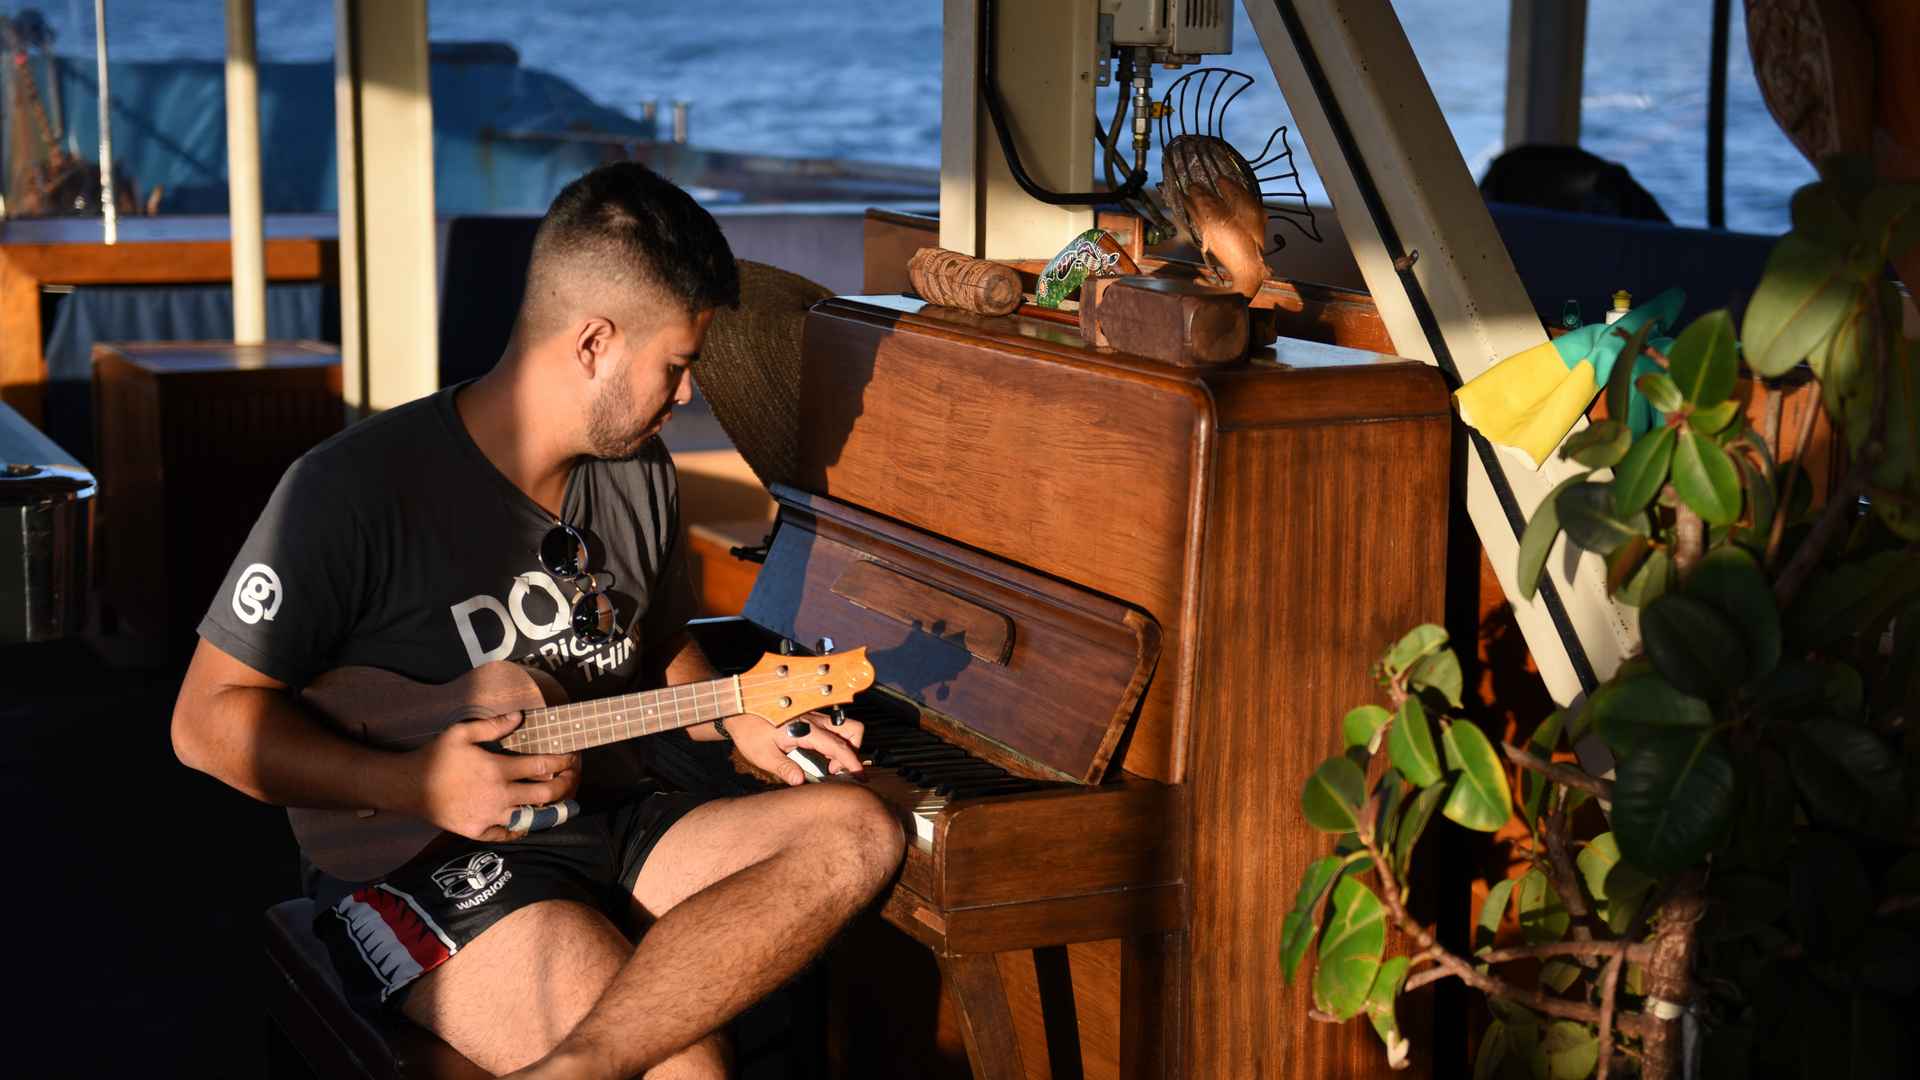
[{"x": 25, "y": 268}]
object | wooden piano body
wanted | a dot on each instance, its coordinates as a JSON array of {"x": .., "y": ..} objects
[{"x": 1159, "y": 587}]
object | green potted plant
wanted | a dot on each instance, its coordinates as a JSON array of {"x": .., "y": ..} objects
[{"x": 1736, "y": 884}]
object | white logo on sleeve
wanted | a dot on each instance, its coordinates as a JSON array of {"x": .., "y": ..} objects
[{"x": 257, "y": 594}]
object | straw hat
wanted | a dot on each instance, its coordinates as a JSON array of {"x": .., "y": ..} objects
[{"x": 749, "y": 368}]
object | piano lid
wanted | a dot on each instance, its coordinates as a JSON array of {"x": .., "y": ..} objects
[{"x": 1049, "y": 671}]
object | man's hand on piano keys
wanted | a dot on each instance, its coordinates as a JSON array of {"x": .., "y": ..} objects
[{"x": 765, "y": 745}]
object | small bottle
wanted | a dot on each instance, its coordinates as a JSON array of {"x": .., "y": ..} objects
[
  {"x": 1570, "y": 317},
  {"x": 1622, "y": 303}
]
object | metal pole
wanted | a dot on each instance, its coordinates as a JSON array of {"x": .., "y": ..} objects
[
  {"x": 109, "y": 214},
  {"x": 244, "y": 212},
  {"x": 1717, "y": 117}
]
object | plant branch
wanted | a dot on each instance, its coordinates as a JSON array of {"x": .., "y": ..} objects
[
  {"x": 1658, "y": 357},
  {"x": 1689, "y": 537},
  {"x": 1770, "y": 420},
  {"x": 1807, "y": 419},
  {"x": 1634, "y": 952},
  {"x": 1539, "y": 1000},
  {"x": 1567, "y": 775},
  {"x": 1561, "y": 874},
  {"x": 1609, "y": 989}
]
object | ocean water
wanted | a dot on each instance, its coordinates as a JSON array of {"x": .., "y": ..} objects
[{"x": 861, "y": 78}]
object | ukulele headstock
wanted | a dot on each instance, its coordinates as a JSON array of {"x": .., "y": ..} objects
[{"x": 779, "y": 688}]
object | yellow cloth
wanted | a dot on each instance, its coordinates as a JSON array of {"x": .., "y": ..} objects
[{"x": 1529, "y": 400}]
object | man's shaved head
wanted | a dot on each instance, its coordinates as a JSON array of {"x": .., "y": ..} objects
[{"x": 623, "y": 242}]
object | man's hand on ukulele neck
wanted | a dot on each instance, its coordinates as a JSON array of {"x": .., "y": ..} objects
[{"x": 464, "y": 787}]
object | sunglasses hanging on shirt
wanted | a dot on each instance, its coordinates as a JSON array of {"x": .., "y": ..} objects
[{"x": 563, "y": 553}]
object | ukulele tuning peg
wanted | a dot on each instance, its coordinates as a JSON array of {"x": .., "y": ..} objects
[
  {"x": 825, "y": 646},
  {"x": 786, "y": 646}
]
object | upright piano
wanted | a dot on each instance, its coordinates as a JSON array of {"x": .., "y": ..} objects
[{"x": 1117, "y": 608}]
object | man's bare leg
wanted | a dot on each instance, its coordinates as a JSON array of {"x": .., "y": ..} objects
[
  {"x": 746, "y": 892},
  {"x": 508, "y": 997}
]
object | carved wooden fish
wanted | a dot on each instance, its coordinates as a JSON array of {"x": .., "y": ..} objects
[{"x": 1214, "y": 199}]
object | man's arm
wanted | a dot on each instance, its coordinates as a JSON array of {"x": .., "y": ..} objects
[
  {"x": 245, "y": 729},
  {"x": 679, "y": 659}
]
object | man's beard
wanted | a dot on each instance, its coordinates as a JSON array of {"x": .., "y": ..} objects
[{"x": 611, "y": 433}]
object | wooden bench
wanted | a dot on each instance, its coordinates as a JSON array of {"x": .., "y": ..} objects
[{"x": 311, "y": 1017}]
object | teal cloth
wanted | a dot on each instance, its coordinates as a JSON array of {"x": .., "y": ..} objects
[{"x": 1600, "y": 346}]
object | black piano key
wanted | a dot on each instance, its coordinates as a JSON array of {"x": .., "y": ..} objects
[
  {"x": 929, "y": 775},
  {"x": 890, "y": 756},
  {"x": 1011, "y": 785}
]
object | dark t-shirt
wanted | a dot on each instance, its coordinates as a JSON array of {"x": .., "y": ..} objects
[{"x": 397, "y": 544}]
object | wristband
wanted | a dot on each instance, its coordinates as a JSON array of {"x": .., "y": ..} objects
[{"x": 720, "y": 728}]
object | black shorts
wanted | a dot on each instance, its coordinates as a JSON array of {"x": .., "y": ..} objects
[{"x": 382, "y": 936}]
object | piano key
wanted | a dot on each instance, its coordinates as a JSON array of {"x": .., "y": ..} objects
[
  {"x": 941, "y": 770},
  {"x": 1011, "y": 785}
]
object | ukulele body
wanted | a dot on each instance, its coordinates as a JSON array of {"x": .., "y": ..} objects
[{"x": 380, "y": 708}]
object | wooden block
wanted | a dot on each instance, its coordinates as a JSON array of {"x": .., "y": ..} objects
[{"x": 1170, "y": 320}]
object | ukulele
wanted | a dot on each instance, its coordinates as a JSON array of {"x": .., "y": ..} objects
[{"x": 392, "y": 711}]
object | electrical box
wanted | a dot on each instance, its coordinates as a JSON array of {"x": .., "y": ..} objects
[{"x": 1176, "y": 30}]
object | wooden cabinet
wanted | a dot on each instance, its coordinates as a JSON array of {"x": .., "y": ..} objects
[{"x": 192, "y": 437}]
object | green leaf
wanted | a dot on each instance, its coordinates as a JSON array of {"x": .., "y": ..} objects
[
  {"x": 1661, "y": 391},
  {"x": 1493, "y": 910},
  {"x": 1493, "y": 1052},
  {"x": 1537, "y": 539},
  {"x": 1617, "y": 888},
  {"x": 1481, "y": 799},
  {"x": 1332, "y": 797},
  {"x": 1672, "y": 801},
  {"x": 1361, "y": 726},
  {"x": 1598, "y": 445},
  {"x": 1847, "y": 775},
  {"x": 1703, "y": 360},
  {"x": 1819, "y": 218},
  {"x": 1380, "y": 1000},
  {"x": 1559, "y": 974},
  {"x": 1844, "y": 600},
  {"x": 1298, "y": 929},
  {"x": 1586, "y": 512},
  {"x": 1802, "y": 295},
  {"x": 1627, "y": 888},
  {"x": 1632, "y": 710},
  {"x": 1639, "y": 476},
  {"x": 1440, "y": 673},
  {"x": 1650, "y": 581},
  {"x": 1423, "y": 640},
  {"x": 1543, "y": 915},
  {"x": 1890, "y": 219},
  {"x": 1412, "y": 824},
  {"x": 1620, "y": 382},
  {"x": 1844, "y": 692},
  {"x": 1693, "y": 646},
  {"x": 1595, "y": 860},
  {"x": 1350, "y": 950},
  {"x": 1715, "y": 418},
  {"x": 1533, "y": 786},
  {"x": 1570, "y": 1050},
  {"x": 1387, "y": 795},
  {"x": 1730, "y": 581},
  {"x": 1410, "y": 745},
  {"x": 1704, "y": 476}
]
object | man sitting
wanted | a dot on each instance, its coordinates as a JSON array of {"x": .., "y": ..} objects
[{"x": 413, "y": 541}]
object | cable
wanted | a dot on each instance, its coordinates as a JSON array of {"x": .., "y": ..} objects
[{"x": 990, "y": 87}]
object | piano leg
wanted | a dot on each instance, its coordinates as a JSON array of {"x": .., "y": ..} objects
[
  {"x": 987, "y": 1023},
  {"x": 1152, "y": 971}
]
